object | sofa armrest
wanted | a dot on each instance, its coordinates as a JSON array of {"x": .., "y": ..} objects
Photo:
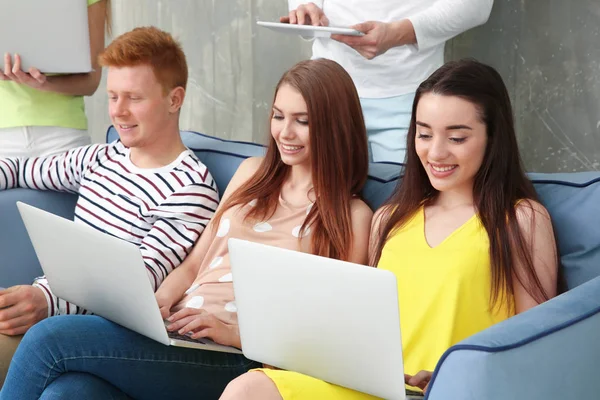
[
  {"x": 18, "y": 262},
  {"x": 549, "y": 352}
]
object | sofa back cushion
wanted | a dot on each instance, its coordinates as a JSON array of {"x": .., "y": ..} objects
[
  {"x": 18, "y": 262},
  {"x": 572, "y": 199}
]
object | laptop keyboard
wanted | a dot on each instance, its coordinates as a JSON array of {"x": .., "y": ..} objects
[
  {"x": 411, "y": 394},
  {"x": 177, "y": 336}
]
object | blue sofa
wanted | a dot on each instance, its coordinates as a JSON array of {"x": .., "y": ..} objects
[{"x": 550, "y": 352}]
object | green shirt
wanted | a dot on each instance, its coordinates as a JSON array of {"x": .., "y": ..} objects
[{"x": 21, "y": 105}]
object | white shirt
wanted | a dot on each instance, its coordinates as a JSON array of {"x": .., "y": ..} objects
[{"x": 401, "y": 69}]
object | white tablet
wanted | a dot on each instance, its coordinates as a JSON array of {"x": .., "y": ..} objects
[{"x": 309, "y": 30}]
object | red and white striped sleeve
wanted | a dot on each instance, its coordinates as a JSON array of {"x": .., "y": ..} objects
[
  {"x": 61, "y": 172},
  {"x": 182, "y": 217},
  {"x": 56, "y": 306}
]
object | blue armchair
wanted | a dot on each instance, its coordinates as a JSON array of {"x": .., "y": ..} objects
[{"x": 549, "y": 352}]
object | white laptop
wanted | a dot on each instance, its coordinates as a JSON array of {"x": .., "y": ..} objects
[
  {"x": 52, "y": 36},
  {"x": 329, "y": 319},
  {"x": 101, "y": 273},
  {"x": 309, "y": 30}
]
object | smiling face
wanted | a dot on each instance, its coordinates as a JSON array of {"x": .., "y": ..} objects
[
  {"x": 289, "y": 126},
  {"x": 450, "y": 141},
  {"x": 138, "y": 106}
]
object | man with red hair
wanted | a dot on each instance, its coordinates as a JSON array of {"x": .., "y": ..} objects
[{"x": 146, "y": 188}]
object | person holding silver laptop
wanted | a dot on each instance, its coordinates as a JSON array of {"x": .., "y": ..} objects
[
  {"x": 403, "y": 44},
  {"x": 464, "y": 233},
  {"x": 43, "y": 114},
  {"x": 303, "y": 195}
]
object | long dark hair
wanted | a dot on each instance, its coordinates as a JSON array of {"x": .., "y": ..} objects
[
  {"x": 339, "y": 157},
  {"x": 499, "y": 184}
]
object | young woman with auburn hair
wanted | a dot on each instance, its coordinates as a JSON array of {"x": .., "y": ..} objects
[
  {"x": 464, "y": 232},
  {"x": 303, "y": 195}
]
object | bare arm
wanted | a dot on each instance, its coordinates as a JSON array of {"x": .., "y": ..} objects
[
  {"x": 361, "y": 223},
  {"x": 177, "y": 282},
  {"x": 71, "y": 84},
  {"x": 536, "y": 226},
  {"x": 375, "y": 229}
]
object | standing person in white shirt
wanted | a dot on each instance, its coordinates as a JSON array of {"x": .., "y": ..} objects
[{"x": 403, "y": 44}]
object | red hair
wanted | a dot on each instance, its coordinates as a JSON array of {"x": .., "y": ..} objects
[{"x": 153, "y": 47}]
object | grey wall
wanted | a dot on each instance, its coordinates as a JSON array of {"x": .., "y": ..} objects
[
  {"x": 548, "y": 52},
  {"x": 233, "y": 64}
]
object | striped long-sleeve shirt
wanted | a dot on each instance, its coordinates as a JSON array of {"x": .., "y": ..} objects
[{"x": 162, "y": 210}]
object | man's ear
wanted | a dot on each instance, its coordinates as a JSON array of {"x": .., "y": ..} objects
[{"x": 176, "y": 99}]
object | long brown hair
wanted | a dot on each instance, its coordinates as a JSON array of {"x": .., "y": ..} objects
[
  {"x": 339, "y": 157},
  {"x": 499, "y": 184}
]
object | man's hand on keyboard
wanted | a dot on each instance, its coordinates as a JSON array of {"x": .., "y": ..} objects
[{"x": 201, "y": 324}]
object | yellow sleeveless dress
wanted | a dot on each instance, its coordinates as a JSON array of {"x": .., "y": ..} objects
[{"x": 443, "y": 295}]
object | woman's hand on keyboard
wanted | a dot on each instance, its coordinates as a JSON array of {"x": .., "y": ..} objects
[
  {"x": 164, "y": 304},
  {"x": 200, "y": 324},
  {"x": 420, "y": 380}
]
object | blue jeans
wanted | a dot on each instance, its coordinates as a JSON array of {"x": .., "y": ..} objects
[
  {"x": 101, "y": 359},
  {"x": 78, "y": 385},
  {"x": 387, "y": 120}
]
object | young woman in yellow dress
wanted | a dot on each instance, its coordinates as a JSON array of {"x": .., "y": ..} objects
[{"x": 464, "y": 232}]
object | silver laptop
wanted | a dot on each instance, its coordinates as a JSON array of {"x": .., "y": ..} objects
[
  {"x": 325, "y": 318},
  {"x": 102, "y": 274},
  {"x": 52, "y": 36}
]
